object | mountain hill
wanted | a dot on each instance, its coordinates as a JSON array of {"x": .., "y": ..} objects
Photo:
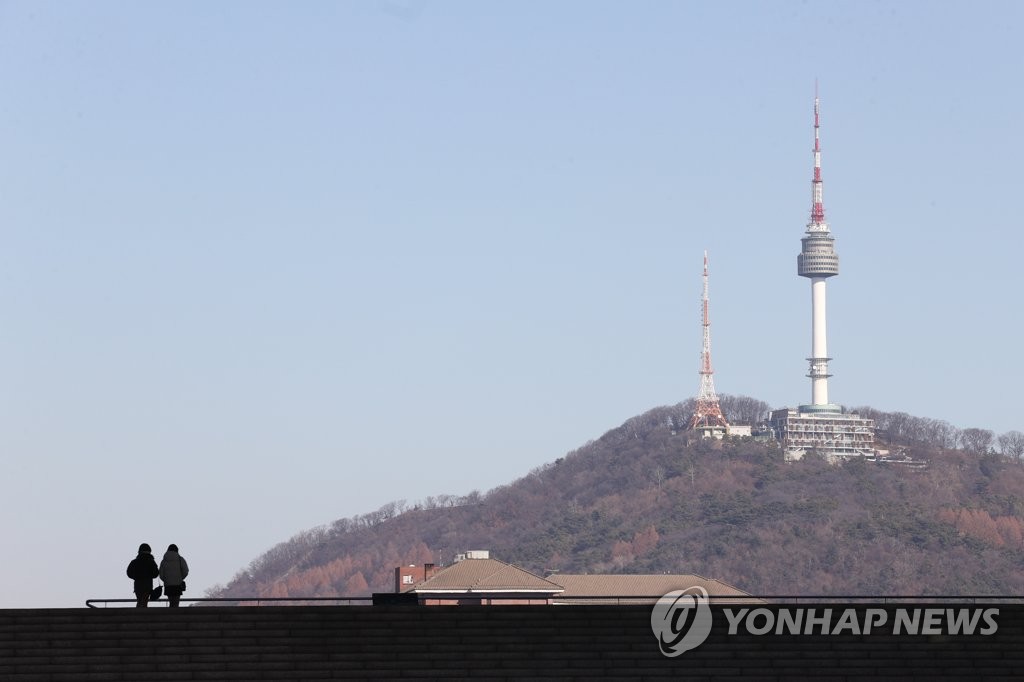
[{"x": 646, "y": 498}]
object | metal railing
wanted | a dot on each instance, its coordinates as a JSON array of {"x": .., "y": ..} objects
[
  {"x": 234, "y": 601},
  {"x": 604, "y": 600},
  {"x": 778, "y": 600}
]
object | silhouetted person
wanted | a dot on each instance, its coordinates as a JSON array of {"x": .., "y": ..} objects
[
  {"x": 142, "y": 570},
  {"x": 173, "y": 569}
]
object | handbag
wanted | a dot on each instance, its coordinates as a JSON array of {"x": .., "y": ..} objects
[{"x": 157, "y": 592}]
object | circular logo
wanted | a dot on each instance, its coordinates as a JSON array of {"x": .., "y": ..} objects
[{"x": 681, "y": 620}]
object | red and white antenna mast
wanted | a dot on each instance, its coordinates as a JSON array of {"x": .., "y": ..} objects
[
  {"x": 707, "y": 415},
  {"x": 817, "y": 203}
]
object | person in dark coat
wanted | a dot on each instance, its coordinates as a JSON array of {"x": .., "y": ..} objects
[
  {"x": 173, "y": 569},
  {"x": 142, "y": 570}
]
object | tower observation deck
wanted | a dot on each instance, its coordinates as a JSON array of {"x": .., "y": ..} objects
[{"x": 818, "y": 258}]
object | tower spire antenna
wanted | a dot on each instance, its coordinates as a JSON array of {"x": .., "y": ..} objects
[
  {"x": 817, "y": 203},
  {"x": 707, "y": 415}
]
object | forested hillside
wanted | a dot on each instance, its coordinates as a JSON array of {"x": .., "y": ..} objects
[{"x": 648, "y": 498}]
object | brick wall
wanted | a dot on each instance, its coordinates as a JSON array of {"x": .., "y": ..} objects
[{"x": 506, "y": 642}]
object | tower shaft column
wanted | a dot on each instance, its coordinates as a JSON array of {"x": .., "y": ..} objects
[{"x": 819, "y": 346}]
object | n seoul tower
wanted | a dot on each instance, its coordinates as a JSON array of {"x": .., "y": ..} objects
[
  {"x": 822, "y": 426},
  {"x": 818, "y": 261}
]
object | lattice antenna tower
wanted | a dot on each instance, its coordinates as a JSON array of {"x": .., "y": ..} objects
[{"x": 708, "y": 413}]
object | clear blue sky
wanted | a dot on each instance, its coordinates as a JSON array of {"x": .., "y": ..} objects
[{"x": 270, "y": 264}]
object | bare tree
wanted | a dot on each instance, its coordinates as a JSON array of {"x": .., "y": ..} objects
[
  {"x": 658, "y": 475},
  {"x": 897, "y": 427},
  {"x": 1011, "y": 444},
  {"x": 871, "y": 413},
  {"x": 916, "y": 429},
  {"x": 978, "y": 441},
  {"x": 741, "y": 409},
  {"x": 943, "y": 434}
]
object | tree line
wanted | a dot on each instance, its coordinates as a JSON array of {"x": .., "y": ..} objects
[{"x": 900, "y": 428}]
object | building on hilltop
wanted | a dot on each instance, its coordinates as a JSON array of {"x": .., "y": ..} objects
[
  {"x": 832, "y": 434},
  {"x": 741, "y": 430},
  {"x": 820, "y": 426}
]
